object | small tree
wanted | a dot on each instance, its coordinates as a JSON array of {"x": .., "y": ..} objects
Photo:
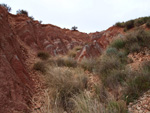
[
  {"x": 74, "y": 28},
  {"x": 22, "y": 12},
  {"x": 6, "y": 6}
]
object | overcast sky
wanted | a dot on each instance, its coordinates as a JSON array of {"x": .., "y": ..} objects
[{"x": 87, "y": 15}]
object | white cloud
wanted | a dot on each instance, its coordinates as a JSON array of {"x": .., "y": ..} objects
[{"x": 88, "y": 15}]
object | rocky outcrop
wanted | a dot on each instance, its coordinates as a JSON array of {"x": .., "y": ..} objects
[
  {"x": 99, "y": 41},
  {"x": 15, "y": 81},
  {"x": 19, "y": 36}
]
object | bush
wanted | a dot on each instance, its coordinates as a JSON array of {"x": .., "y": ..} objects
[
  {"x": 24, "y": 12},
  {"x": 31, "y": 17},
  {"x": 118, "y": 43},
  {"x": 129, "y": 24},
  {"x": 43, "y": 55},
  {"x": 6, "y": 6},
  {"x": 64, "y": 83},
  {"x": 132, "y": 23},
  {"x": 111, "y": 51},
  {"x": 107, "y": 64},
  {"x": 115, "y": 78},
  {"x": 137, "y": 83},
  {"x": 120, "y": 24},
  {"x": 139, "y": 22},
  {"x": 139, "y": 38},
  {"x": 74, "y": 28},
  {"x": 88, "y": 64},
  {"x": 65, "y": 61},
  {"x": 148, "y": 23},
  {"x": 40, "y": 66},
  {"x": 134, "y": 48},
  {"x": 146, "y": 67}
]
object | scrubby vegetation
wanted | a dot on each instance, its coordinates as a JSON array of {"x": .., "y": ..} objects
[
  {"x": 74, "y": 28},
  {"x": 134, "y": 23},
  {"x": 72, "y": 53},
  {"x": 71, "y": 86},
  {"x": 43, "y": 55},
  {"x": 6, "y": 6},
  {"x": 24, "y": 12}
]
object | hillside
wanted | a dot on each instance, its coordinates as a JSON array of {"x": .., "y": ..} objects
[{"x": 42, "y": 64}]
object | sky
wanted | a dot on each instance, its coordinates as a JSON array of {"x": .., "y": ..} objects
[{"x": 87, "y": 15}]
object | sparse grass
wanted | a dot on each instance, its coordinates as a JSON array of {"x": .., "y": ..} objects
[
  {"x": 43, "y": 55},
  {"x": 85, "y": 104},
  {"x": 69, "y": 85},
  {"x": 107, "y": 64},
  {"x": 115, "y": 78},
  {"x": 116, "y": 107},
  {"x": 137, "y": 83},
  {"x": 73, "y": 52},
  {"x": 134, "y": 48},
  {"x": 65, "y": 61},
  {"x": 88, "y": 64},
  {"x": 63, "y": 83}
]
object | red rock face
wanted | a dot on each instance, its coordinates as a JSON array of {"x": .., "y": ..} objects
[
  {"x": 98, "y": 42},
  {"x": 18, "y": 35},
  {"x": 14, "y": 79}
]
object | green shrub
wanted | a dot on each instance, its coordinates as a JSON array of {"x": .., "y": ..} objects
[
  {"x": 107, "y": 64},
  {"x": 100, "y": 92},
  {"x": 120, "y": 24},
  {"x": 146, "y": 67},
  {"x": 40, "y": 66},
  {"x": 148, "y": 24},
  {"x": 141, "y": 37},
  {"x": 24, "y": 12},
  {"x": 43, "y": 55},
  {"x": 111, "y": 51},
  {"x": 114, "y": 78},
  {"x": 134, "y": 48},
  {"x": 129, "y": 24},
  {"x": 116, "y": 107},
  {"x": 6, "y": 6},
  {"x": 137, "y": 84},
  {"x": 138, "y": 22},
  {"x": 118, "y": 43}
]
